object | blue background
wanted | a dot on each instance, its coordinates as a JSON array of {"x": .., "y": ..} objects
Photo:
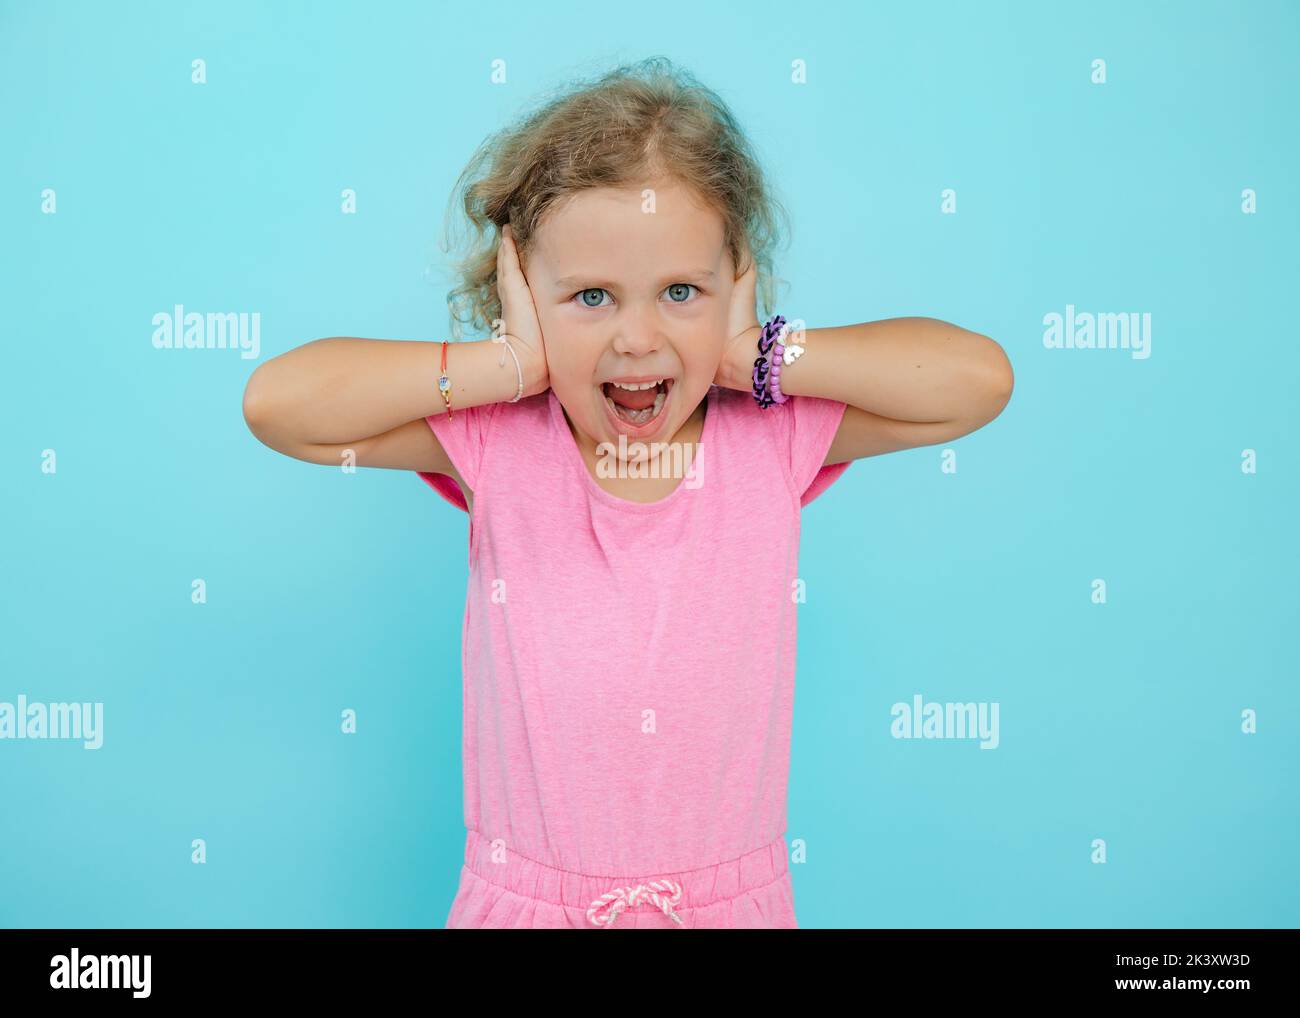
[{"x": 329, "y": 591}]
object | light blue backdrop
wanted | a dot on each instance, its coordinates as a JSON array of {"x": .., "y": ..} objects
[{"x": 1119, "y": 721}]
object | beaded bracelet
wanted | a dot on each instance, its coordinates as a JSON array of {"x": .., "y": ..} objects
[
  {"x": 773, "y": 354},
  {"x": 778, "y": 357},
  {"x": 762, "y": 364}
]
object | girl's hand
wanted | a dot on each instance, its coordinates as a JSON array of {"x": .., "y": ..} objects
[
  {"x": 519, "y": 316},
  {"x": 736, "y": 369}
]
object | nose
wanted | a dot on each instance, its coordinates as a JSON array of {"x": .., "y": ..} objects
[{"x": 637, "y": 332}]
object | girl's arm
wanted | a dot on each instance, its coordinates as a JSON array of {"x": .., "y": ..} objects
[
  {"x": 372, "y": 395},
  {"x": 907, "y": 381}
]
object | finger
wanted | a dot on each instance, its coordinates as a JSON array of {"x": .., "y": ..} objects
[
  {"x": 750, "y": 274},
  {"x": 508, "y": 267},
  {"x": 745, "y": 257},
  {"x": 746, "y": 285},
  {"x": 511, "y": 280},
  {"x": 511, "y": 255},
  {"x": 502, "y": 296}
]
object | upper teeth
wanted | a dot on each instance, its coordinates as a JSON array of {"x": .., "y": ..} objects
[{"x": 634, "y": 386}]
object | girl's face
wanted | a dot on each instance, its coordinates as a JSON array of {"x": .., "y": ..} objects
[{"x": 631, "y": 288}]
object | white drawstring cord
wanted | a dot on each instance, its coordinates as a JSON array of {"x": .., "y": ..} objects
[{"x": 664, "y": 893}]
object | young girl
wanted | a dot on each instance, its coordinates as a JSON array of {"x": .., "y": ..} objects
[{"x": 633, "y": 449}]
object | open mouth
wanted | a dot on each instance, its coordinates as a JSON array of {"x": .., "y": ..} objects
[{"x": 637, "y": 404}]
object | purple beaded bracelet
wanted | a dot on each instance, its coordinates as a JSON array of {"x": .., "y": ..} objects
[
  {"x": 767, "y": 366},
  {"x": 778, "y": 358}
]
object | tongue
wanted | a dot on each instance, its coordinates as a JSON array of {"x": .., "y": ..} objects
[{"x": 639, "y": 400}]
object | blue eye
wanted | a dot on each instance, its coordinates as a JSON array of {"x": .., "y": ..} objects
[
  {"x": 678, "y": 293},
  {"x": 583, "y": 294}
]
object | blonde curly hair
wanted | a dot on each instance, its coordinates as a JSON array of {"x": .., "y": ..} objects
[{"x": 640, "y": 121}]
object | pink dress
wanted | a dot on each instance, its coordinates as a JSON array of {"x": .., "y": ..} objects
[{"x": 628, "y": 670}]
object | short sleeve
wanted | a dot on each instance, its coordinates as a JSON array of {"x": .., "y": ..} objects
[
  {"x": 812, "y": 423},
  {"x": 464, "y": 437}
]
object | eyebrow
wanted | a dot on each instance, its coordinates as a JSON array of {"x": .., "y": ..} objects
[{"x": 591, "y": 283}]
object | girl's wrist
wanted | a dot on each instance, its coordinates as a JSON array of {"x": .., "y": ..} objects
[
  {"x": 476, "y": 375},
  {"x": 737, "y": 367},
  {"x": 536, "y": 379},
  {"x": 518, "y": 372}
]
